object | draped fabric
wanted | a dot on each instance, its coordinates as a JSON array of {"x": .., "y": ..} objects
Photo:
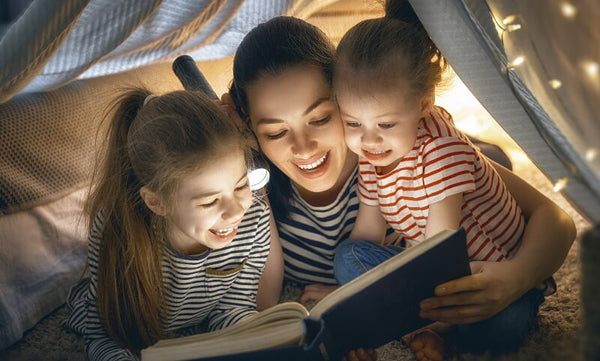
[
  {"x": 538, "y": 79},
  {"x": 55, "y": 42}
]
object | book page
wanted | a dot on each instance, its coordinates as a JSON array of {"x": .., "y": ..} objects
[
  {"x": 276, "y": 334},
  {"x": 276, "y": 326},
  {"x": 376, "y": 273}
]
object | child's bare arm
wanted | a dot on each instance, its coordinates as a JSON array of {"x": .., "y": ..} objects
[
  {"x": 269, "y": 286},
  {"x": 444, "y": 214},
  {"x": 369, "y": 225}
]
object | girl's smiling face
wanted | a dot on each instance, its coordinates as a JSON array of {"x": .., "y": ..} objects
[
  {"x": 381, "y": 126},
  {"x": 209, "y": 205},
  {"x": 298, "y": 127}
]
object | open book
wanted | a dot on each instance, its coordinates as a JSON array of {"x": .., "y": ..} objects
[{"x": 379, "y": 306}]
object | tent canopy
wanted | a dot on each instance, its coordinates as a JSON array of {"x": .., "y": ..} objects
[{"x": 532, "y": 65}]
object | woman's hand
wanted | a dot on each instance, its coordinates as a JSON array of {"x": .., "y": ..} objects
[
  {"x": 361, "y": 355},
  {"x": 491, "y": 288},
  {"x": 316, "y": 292},
  {"x": 229, "y": 106}
]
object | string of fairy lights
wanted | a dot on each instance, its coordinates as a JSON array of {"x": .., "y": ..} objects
[{"x": 591, "y": 68}]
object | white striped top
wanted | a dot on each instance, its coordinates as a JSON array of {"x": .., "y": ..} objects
[
  {"x": 218, "y": 286},
  {"x": 443, "y": 162}
]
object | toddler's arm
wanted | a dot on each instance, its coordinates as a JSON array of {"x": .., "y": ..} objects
[
  {"x": 369, "y": 225},
  {"x": 444, "y": 214}
]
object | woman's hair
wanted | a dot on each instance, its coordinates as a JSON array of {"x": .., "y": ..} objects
[
  {"x": 152, "y": 145},
  {"x": 268, "y": 50},
  {"x": 388, "y": 51}
]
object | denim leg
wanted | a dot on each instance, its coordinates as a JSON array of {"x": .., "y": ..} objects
[
  {"x": 353, "y": 258},
  {"x": 503, "y": 333}
]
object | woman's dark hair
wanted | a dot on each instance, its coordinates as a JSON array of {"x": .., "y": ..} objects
[{"x": 268, "y": 50}]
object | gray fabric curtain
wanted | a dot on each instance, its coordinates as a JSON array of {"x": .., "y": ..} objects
[{"x": 534, "y": 66}]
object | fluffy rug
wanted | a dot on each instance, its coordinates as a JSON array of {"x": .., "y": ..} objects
[{"x": 556, "y": 338}]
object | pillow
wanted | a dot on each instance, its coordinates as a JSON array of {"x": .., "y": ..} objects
[{"x": 43, "y": 252}]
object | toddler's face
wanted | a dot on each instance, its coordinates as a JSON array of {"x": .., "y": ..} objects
[
  {"x": 379, "y": 126},
  {"x": 209, "y": 205}
]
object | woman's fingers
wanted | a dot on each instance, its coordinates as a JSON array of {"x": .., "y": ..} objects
[
  {"x": 458, "y": 314},
  {"x": 315, "y": 292}
]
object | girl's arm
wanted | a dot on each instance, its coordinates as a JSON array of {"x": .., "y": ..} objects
[
  {"x": 369, "y": 225},
  {"x": 444, "y": 214},
  {"x": 269, "y": 287},
  {"x": 494, "y": 285}
]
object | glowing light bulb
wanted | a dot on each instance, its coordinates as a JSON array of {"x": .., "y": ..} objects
[
  {"x": 509, "y": 19},
  {"x": 518, "y": 61},
  {"x": 591, "y": 154},
  {"x": 513, "y": 27},
  {"x": 560, "y": 184},
  {"x": 555, "y": 84},
  {"x": 591, "y": 68},
  {"x": 568, "y": 10},
  {"x": 258, "y": 178}
]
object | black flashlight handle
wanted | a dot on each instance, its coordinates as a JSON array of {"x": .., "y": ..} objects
[{"x": 191, "y": 77}]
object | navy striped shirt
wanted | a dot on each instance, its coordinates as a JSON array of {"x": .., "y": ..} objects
[
  {"x": 310, "y": 234},
  {"x": 218, "y": 286}
]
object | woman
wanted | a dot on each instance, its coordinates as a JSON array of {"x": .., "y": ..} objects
[{"x": 282, "y": 90}]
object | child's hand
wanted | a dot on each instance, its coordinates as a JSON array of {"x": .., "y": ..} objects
[
  {"x": 490, "y": 289},
  {"x": 315, "y": 293},
  {"x": 361, "y": 355}
]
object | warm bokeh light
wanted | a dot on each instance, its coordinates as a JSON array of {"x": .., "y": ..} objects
[
  {"x": 509, "y": 19},
  {"x": 555, "y": 83},
  {"x": 560, "y": 184},
  {"x": 518, "y": 61},
  {"x": 568, "y": 10},
  {"x": 513, "y": 27},
  {"x": 591, "y": 68}
]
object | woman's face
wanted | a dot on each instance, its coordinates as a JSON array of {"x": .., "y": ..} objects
[{"x": 298, "y": 127}]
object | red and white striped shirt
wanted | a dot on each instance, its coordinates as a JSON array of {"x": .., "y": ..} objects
[{"x": 444, "y": 162}]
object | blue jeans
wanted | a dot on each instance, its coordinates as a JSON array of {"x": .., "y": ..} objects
[{"x": 502, "y": 333}]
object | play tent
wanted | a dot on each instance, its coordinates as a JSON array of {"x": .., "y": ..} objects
[{"x": 534, "y": 65}]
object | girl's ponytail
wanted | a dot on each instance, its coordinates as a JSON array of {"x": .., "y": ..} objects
[{"x": 129, "y": 290}]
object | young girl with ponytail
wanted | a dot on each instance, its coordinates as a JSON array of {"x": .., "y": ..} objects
[{"x": 176, "y": 237}]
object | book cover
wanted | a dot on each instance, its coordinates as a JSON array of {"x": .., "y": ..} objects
[{"x": 379, "y": 306}]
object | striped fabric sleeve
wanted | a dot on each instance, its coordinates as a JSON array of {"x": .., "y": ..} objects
[
  {"x": 448, "y": 168},
  {"x": 239, "y": 301},
  {"x": 367, "y": 184}
]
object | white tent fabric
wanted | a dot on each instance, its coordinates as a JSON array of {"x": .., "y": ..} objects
[
  {"x": 557, "y": 129},
  {"x": 54, "y": 43}
]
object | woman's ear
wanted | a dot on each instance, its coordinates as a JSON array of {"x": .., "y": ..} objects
[{"x": 153, "y": 201}]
